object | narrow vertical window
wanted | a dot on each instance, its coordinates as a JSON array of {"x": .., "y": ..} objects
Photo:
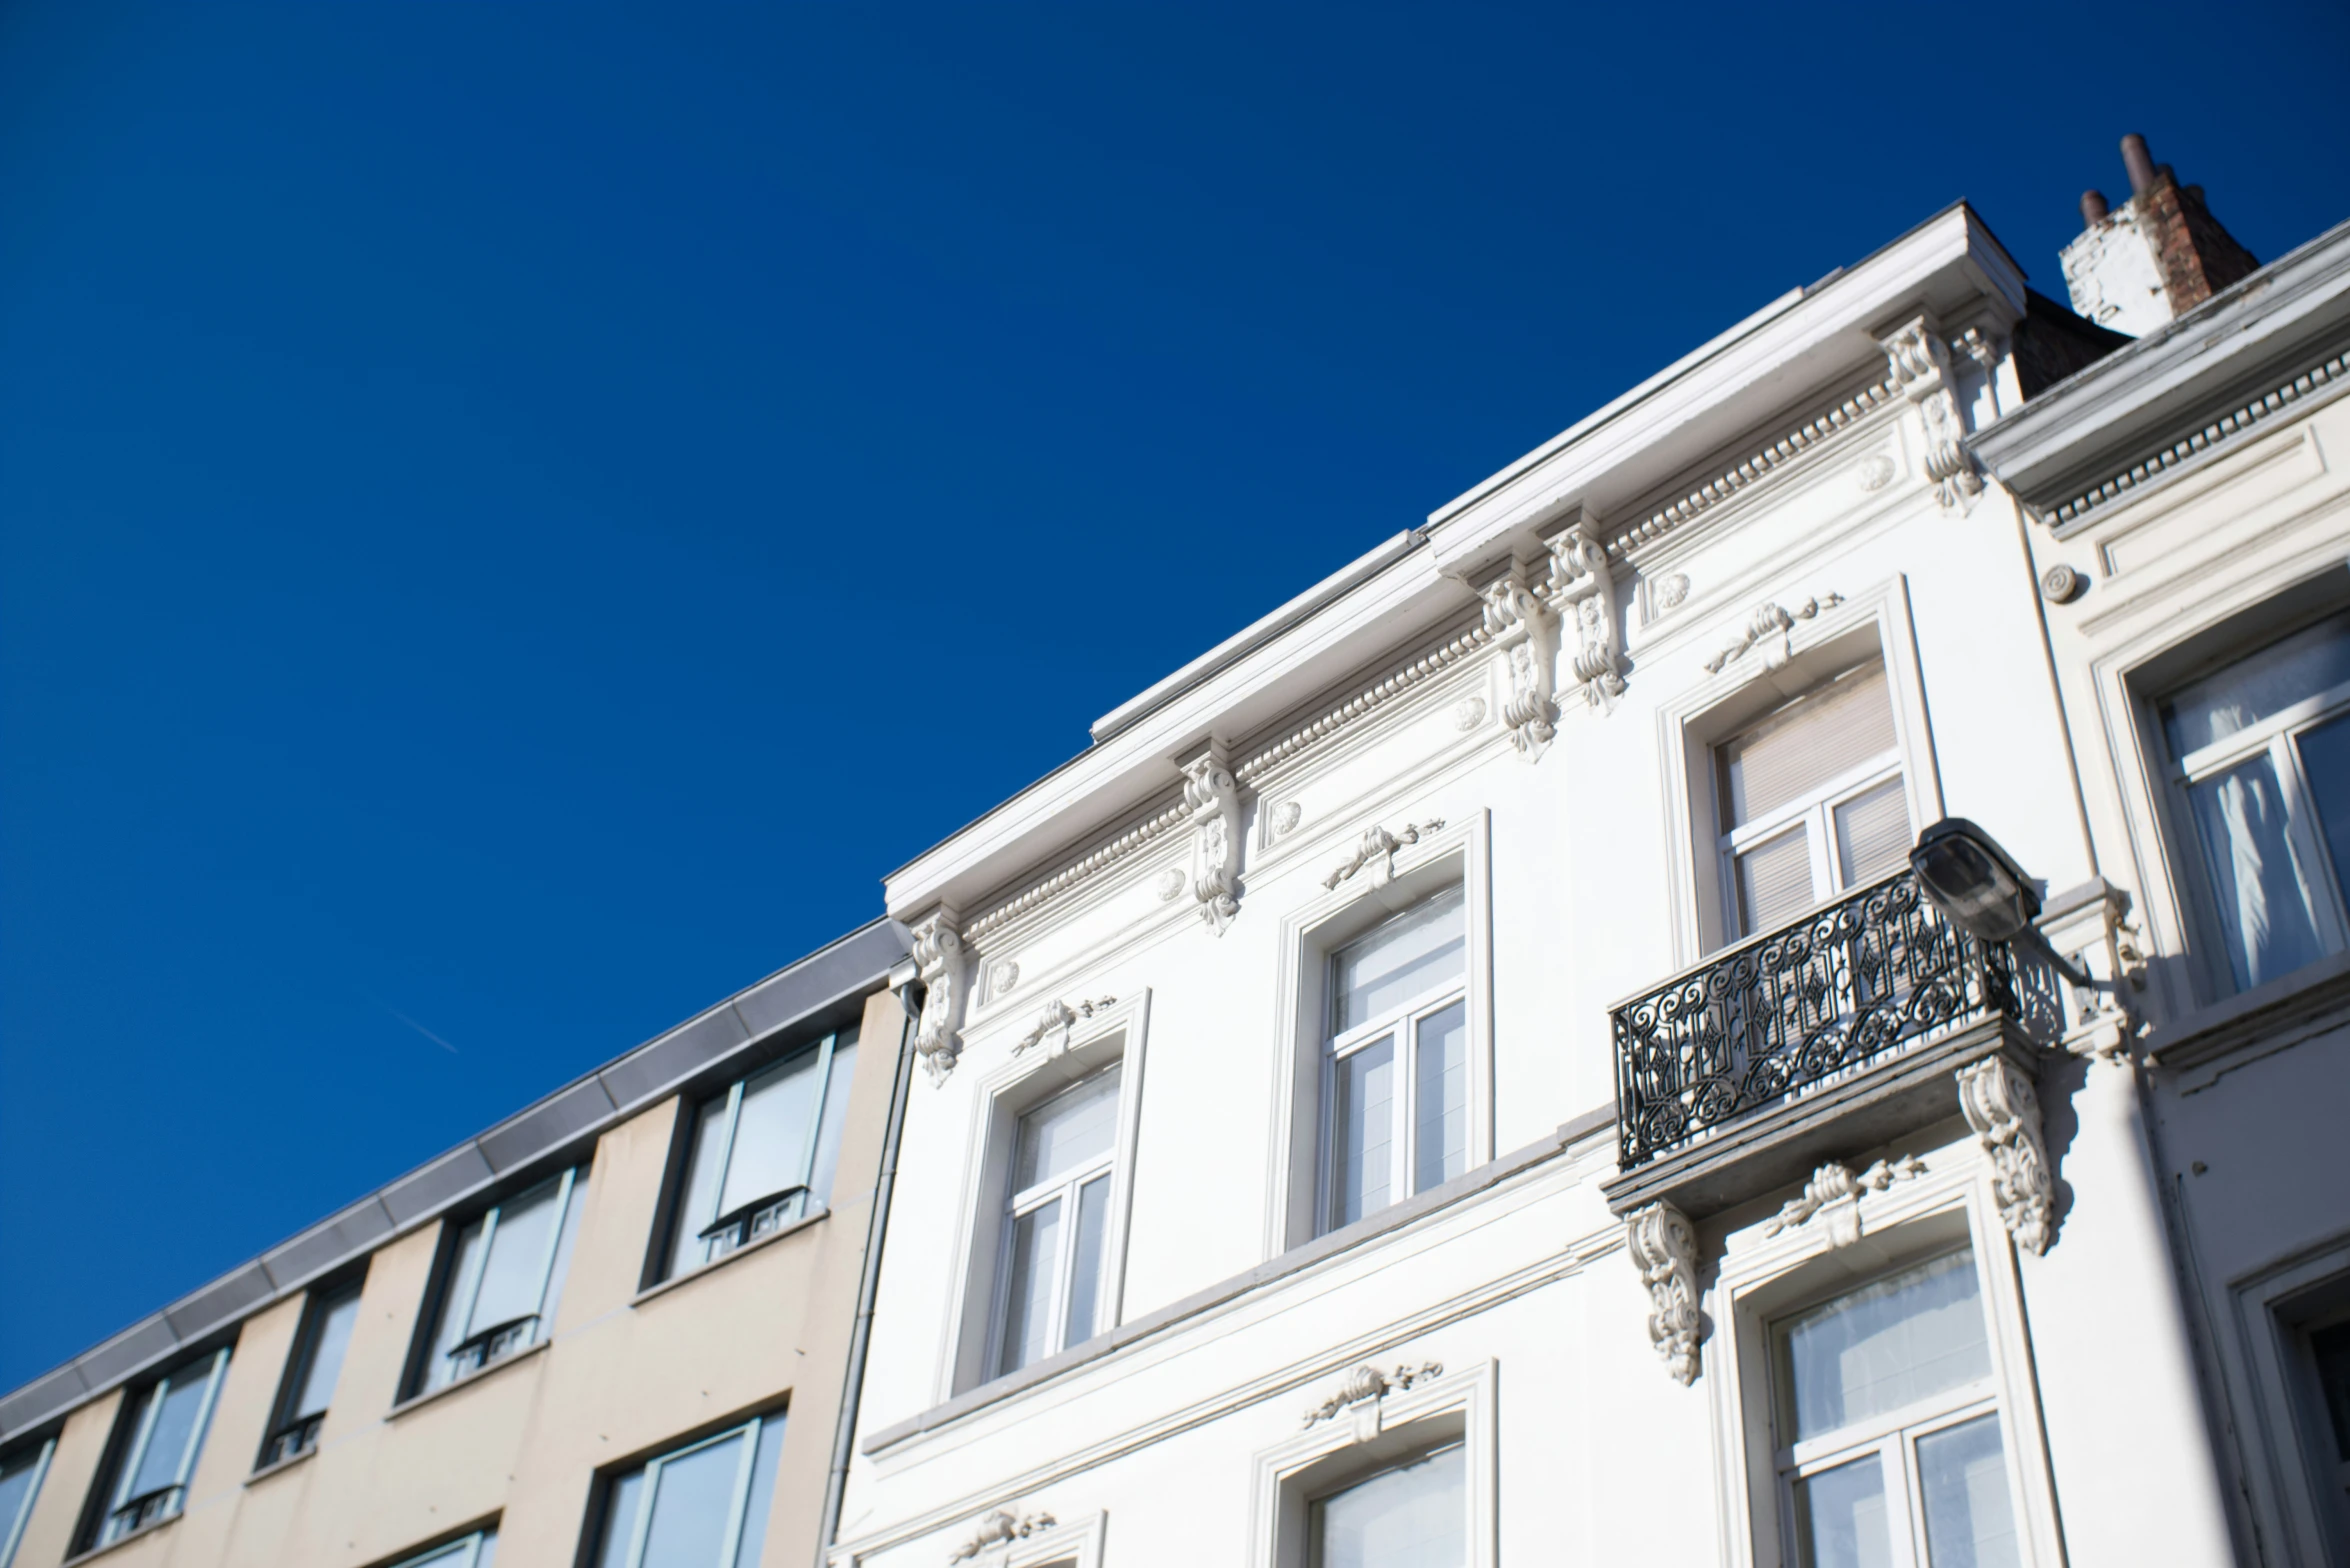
[
  {"x": 700, "y": 1506},
  {"x": 1888, "y": 1425},
  {"x": 1395, "y": 1086},
  {"x": 1812, "y": 803},
  {"x": 311, "y": 1373},
  {"x": 467, "y": 1551},
  {"x": 2329, "y": 1355},
  {"x": 1056, "y": 1224},
  {"x": 763, "y": 1151},
  {"x": 1415, "y": 1515},
  {"x": 2260, "y": 752},
  {"x": 166, "y": 1435},
  {"x": 21, "y": 1474},
  {"x": 504, "y": 1279}
]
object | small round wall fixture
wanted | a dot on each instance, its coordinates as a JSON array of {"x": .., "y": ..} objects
[{"x": 2061, "y": 584}]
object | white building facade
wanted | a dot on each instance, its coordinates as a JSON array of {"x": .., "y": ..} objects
[{"x": 1461, "y": 1073}]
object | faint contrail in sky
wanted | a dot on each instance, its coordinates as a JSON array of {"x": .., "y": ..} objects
[{"x": 419, "y": 1028}]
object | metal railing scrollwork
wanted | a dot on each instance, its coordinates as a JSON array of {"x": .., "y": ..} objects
[{"x": 1851, "y": 982}]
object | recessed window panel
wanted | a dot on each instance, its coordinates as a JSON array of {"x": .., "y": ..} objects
[
  {"x": 505, "y": 1278},
  {"x": 764, "y": 1151},
  {"x": 1413, "y": 1516},
  {"x": 1053, "y": 1269},
  {"x": 703, "y": 1505}
]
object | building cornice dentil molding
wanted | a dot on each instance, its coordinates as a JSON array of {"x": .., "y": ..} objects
[
  {"x": 1663, "y": 1245},
  {"x": 1083, "y": 869},
  {"x": 1212, "y": 796},
  {"x": 938, "y": 959}
]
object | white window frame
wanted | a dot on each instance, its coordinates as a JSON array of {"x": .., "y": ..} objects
[
  {"x": 746, "y": 1471},
  {"x": 1402, "y": 1022},
  {"x": 13, "y": 1536},
  {"x": 1872, "y": 623},
  {"x": 173, "y": 1495},
  {"x": 1312, "y": 932},
  {"x": 537, "y": 1326},
  {"x": 463, "y": 1552},
  {"x": 1454, "y": 1405},
  {"x": 1763, "y": 1279},
  {"x": 769, "y": 1211},
  {"x": 1063, "y": 1189},
  {"x": 1117, "y": 1031}
]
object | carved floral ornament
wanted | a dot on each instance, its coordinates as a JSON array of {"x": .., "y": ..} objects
[
  {"x": 1835, "y": 1192},
  {"x": 1053, "y": 1026},
  {"x": 1376, "y": 852},
  {"x": 1357, "y": 1399},
  {"x": 1001, "y": 1529},
  {"x": 1770, "y": 628},
  {"x": 2004, "y": 1111}
]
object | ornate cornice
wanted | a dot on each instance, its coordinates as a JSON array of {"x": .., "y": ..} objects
[
  {"x": 1100, "y": 860},
  {"x": 2219, "y": 432},
  {"x": 1369, "y": 700}
]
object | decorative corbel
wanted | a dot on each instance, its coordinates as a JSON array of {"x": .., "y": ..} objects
[
  {"x": 1663, "y": 1245},
  {"x": 1524, "y": 638},
  {"x": 938, "y": 955},
  {"x": 1213, "y": 798},
  {"x": 2004, "y": 1110},
  {"x": 1377, "y": 852},
  {"x": 1583, "y": 592},
  {"x": 1921, "y": 369}
]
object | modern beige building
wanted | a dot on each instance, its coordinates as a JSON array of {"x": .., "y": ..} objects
[{"x": 615, "y": 1329}]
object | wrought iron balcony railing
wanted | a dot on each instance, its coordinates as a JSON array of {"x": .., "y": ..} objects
[{"x": 1854, "y": 982}]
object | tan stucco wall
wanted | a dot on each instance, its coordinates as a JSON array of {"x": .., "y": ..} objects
[{"x": 523, "y": 1443}]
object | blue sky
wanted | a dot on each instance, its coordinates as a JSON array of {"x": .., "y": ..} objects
[{"x": 513, "y": 518}]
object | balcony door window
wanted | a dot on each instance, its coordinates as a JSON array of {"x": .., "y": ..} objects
[
  {"x": 1890, "y": 1453},
  {"x": 168, "y": 1422},
  {"x": 1057, "y": 1224},
  {"x": 1395, "y": 1074},
  {"x": 763, "y": 1152},
  {"x": 504, "y": 1279},
  {"x": 700, "y": 1506},
  {"x": 1415, "y": 1515},
  {"x": 2260, "y": 753},
  {"x": 21, "y": 1474},
  {"x": 1812, "y": 803},
  {"x": 311, "y": 1374}
]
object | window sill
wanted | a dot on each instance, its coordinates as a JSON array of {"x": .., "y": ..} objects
[
  {"x": 467, "y": 1381},
  {"x": 283, "y": 1465},
  {"x": 2254, "y": 1015},
  {"x": 116, "y": 1545},
  {"x": 704, "y": 1270}
]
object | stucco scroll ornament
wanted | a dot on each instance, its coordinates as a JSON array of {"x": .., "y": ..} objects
[
  {"x": 1921, "y": 369},
  {"x": 1377, "y": 851},
  {"x": 938, "y": 956},
  {"x": 1524, "y": 632},
  {"x": 1213, "y": 798},
  {"x": 1358, "y": 1397},
  {"x": 1663, "y": 1245},
  {"x": 1771, "y": 627},
  {"x": 2004, "y": 1110},
  {"x": 1583, "y": 592},
  {"x": 1836, "y": 1192},
  {"x": 1001, "y": 1528},
  {"x": 1055, "y": 1022}
]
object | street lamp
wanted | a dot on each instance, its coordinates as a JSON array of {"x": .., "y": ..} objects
[{"x": 1981, "y": 890}]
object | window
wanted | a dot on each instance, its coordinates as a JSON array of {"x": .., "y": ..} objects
[
  {"x": 1056, "y": 1223},
  {"x": 21, "y": 1474},
  {"x": 1412, "y": 1516},
  {"x": 311, "y": 1372},
  {"x": 700, "y": 1506},
  {"x": 1888, "y": 1429},
  {"x": 167, "y": 1420},
  {"x": 1395, "y": 1074},
  {"x": 1812, "y": 803},
  {"x": 504, "y": 1276},
  {"x": 2259, "y": 754},
  {"x": 761, "y": 1151},
  {"x": 2329, "y": 1356},
  {"x": 470, "y": 1551}
]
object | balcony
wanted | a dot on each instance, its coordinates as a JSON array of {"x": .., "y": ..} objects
[{"x": 1824, "y": 1038}]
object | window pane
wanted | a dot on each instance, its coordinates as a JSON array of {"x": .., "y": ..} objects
[
  {"x": 1885, "y": 1345},
  {"x": 836, "y": 1115},
  {"x": 510, "y": 1281},
  {"x": 2241, "y": 816},
  {"x": 1085, "y": 1269},
  {"x": 1442, "y": 1097},
  {"x": 771, "y": 1135},
  {"x": 563, "y": 1245},
  {"x": 464, "y": 1271},
  {"x": 1964, "y": 1482},
  {"x": 326, "y": 1355},
  {"x": 458, "y": 1554},
  {"x": 1413, "y": 954},
  {"x": 1872, "y": 833},
  {"x": 1414, "y": 1516},
  {"x": 175, "y": 1431},
  {"x": 2325, "y": 764},
  {"x": 1066, "y": 1131},
  {"x": 620, "y": 1519},
  {"x": 746, "y": 1552},
  {"x": 2252, "y": 689},
  {"x": 1362, "y": 1123},
  {"x": 1774, "y": 882},
  {"x": 2331, "y": 1348},
  {"x": 1799, "y": 749},
  {"x": 699, "y": 1205},
  {"x": 1036, "y": 1250},
  {"x": 16, "y": 1496},
  {"x": 1840, "y": 1518},
  {"x": 693, "y": 1507}
]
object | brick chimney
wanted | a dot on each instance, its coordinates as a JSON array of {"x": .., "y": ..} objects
[{"x": 2155, "y": 257}]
